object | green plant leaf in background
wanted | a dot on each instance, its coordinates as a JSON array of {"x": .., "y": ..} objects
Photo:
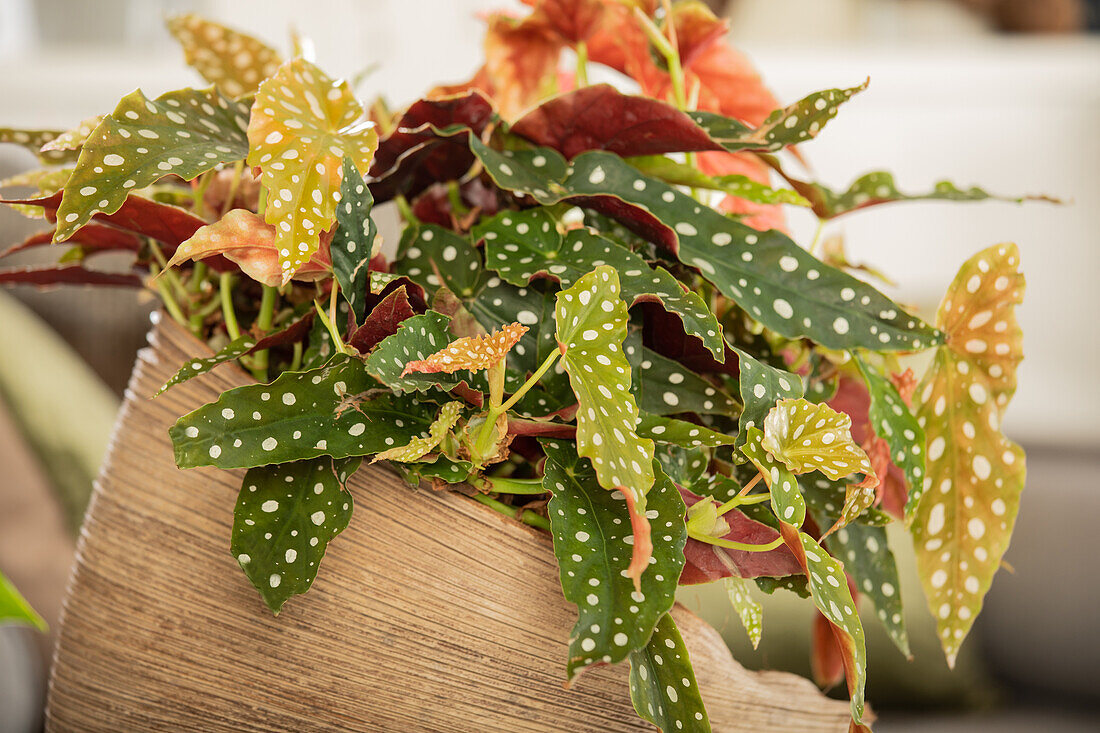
[
  {"x": 327, "y": 411},
  {"x": 521, "y": 245},
  {"x": 743, "y": 187},
  {"x": 432, "y": 256},
  {"x": 283, "y": 521},
  {"x": 591, "y": 320},
  {"x": 662, "y": 682},
  {"x": 302, "y": 126},
  {"x": 235, "y": 349},
  {"x": 592, "y": 543},
  {"x": 664, "y": 386},
  {"x": 747, "y": 608},
  {"x": 14, "y": 608},
  {"x": 761, "y": 387},
  {"x": 354, "y": 239},
  {"x": 964, "y": 520},
  {"x": 680, "y": 432},
  {"x": 182, "y": 133},
  {"x": 234, "y": 61}
]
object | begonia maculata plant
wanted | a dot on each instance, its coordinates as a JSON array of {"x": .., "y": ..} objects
[{"x": 594, "y": 321}]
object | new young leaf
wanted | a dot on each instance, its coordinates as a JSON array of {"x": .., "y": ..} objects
[{"x": 234, "y": 61}]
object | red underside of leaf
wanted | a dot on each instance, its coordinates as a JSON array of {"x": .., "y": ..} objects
[
  {"x": 664, "y": 333},
  {"x": 519, "y": 426},
  {"x": 635, "y": 219},
  {"x": 68, "y": 275},
  {"x": 643, "y": 542},
  {"x": 383, "y": 320},
  {"x": 826, "y": 662},
  {"x": 92, "y": 237},
  {"x": 292, "y": 334}
]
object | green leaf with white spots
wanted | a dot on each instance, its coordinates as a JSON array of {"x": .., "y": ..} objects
[
  {"x": 829, "y": 589},
  {"x": 666, "y": 387},
  {"x": 787, "y": 501},
  {"x": 14, "y": 608},
  {"x": 593, "y": 542},
  {"x": 828, "y": 500},
  {"x": 321, "y": 412},
  {"x": 793, "y": 583},
  {"x": 680, "y": 432},
  {"x": 893, "y": 422},
  {"x": 303, "y": 124},
  {"x": 418, "y": 338},
  {"x": 748, "y": 609},
  {"x": 823, "y": 381},
  {"x": 235, "y": 349},
  {"x": 182, "y": 133},
  {"x": 521, "y": 245},
  {"x": 234, "y": 61},
  {"x": 320, "y": 348},
  {"x": 284, "y": 519},
  {"x": 794, "y": 124},
  {"x": 879, "y": 187},
  {"x": 33, "y": 141},
  {"x": 591, "y": 321},
  {"x": 685, "y": 466},
  {"x": 432, "y": 256},
  {"x": 868, "y": 559},
  {"x": 808, "y": 437},
  {"x": 354, "y": 239},
  {"x": 743, "y": 187},
  {"x": 662, "y": 682},
  {"x": 761, "y": 387},
  {"x": 975, "y": 474},
  {"x": 417, "y": 448},
  {"x": 781, "y": 285}
]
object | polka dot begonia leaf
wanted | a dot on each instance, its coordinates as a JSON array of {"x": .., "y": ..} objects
[
  {"x": 685, "y": 466},
  {"x": 301, "y": 415},
  {"x": 591, "y": 327},
  {"x": 787, "y": 501},
  {"x": 182, "y": 133},
  {"x": 662, "y": 683},
  {"x": 829, "y": 590},
  {"x": 320, "y": 347},
  {"x": 963, "y": 523},
  {"x": 593, "y": 542},
  {"x": 808, "y": 437},
  {"x": 66, "y": 147},
  {"x": 418, "y": 338},
  {"x": 283, "y": 521},
  {"x": 878, "y": 187},
  {"x": 432, "y": 256},
  {"x": 419, "y": 447},
  {"x": 868, "y": 559},
  {"x": 521, "y": 245},
  {"x": 794, "y": 124},
  {"x": 748, "y": 609},
  {"x": 762, "y": 386},
  {"x": 665, "y": 387},
  {"x": 893, "y": 422},
  {"x": 473, "y": 353},
  {"x": 235, "y": 349},
  {"x": 302, "y": 126},
  {"x": 353, "y": 241},
  {"x": 680, "y": 432},
  {"x": 33, "y": 141},
  {"x": 796, "y": 584},
  {"x": 777, "y": 282},
  {"x": 235, "y": 62},
  {"x": 447, "y": 470},
  {"x": 830, "y": 499},
  {"x": 741, "y": 186}
]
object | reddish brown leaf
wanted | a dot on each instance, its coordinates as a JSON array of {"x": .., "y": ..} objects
[
  {"x": 292, "y": 334},
  {"x": 572, "y": 20},
  {"x": 383, "y": 320},
  {"x": 826, "y": 660},
  {"x": 44, "y": 277},
  {"x": 434, "y": 205},
  {"x": 93, "y": 238},
  {"x": 521, "y": 63}
]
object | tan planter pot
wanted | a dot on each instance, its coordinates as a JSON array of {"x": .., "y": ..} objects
[{"x": 432, "y": 612}]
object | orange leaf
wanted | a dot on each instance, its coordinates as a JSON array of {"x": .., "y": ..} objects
[
  {"x": 521, "y": 63},
  {"x": 472, "y": 352}
]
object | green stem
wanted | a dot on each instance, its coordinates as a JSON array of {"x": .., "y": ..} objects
[
  {"x": 672, "y": 57},
  {"x": 234, "y": 186},
  {"x": 481, "y": 444},
  {"x": 817, "y": 237},
  {"x": 225, "y": 283},
  {"x": 198, "y": 203},
  {"x": 405, "y": 209},
  {"x": 501, "y": 485},
  {"x": 524, "y": 515},
  {"x": 742, "y": 500},
  {"x": 263, "y": 324},
  {"x": 732, "y": 545},
  {"x": 166, "y": 296},
  {"x": 336, "y": 340},
  {"x": 296, "y": 361},
  {"x": 166, "y": 272},
  {"x": 582, "y": 64}
]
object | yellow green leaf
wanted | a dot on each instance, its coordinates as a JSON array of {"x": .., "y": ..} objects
[
  {"x": 302, "y": 126},
  {"x": 974, "y": 474},
  {"x": 419, "y": 447},
  {"x": 235, "y": 62},
  {"x": 808, "y": 437}
]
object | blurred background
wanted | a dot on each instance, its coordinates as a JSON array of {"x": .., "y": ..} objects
[{"x": 1000, "y": 93}]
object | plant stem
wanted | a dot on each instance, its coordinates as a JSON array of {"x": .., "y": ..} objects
[
  {"x": 166, "y": 296},
  {"x": 336, "y": 340},
  {"x": 524, "y": 515},
  {"x": 225, "y": 286},
  {"x": 481, "y": 444},
  {"x": 198, "y": 203},
  {"x": 263, "y": 325},
  {"x": 582, "y": 64},
  {"x": 166, "y": 272},
  {"x": 296, "y": 361},
  {"x": 501, "y": 485},
  {"x": 732, "y": 545},
  {"x": 817, "y": 237},
  {"x": 234, "y": 186},
  {"x": 405, "y": 209}
]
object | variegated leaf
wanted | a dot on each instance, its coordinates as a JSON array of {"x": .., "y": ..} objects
[
  {"x": 432, "y": 256},
  {"x": 181, "y": 133},
  {"x": 963, "y": 523},
  {"x": 474, "y": 353},
  {"x": 233, "y": 350},
  {"x": 762, "y": 386},
  {"x": 662, "y": 682},
  {"x": 521, "y": 245},
  {"x": 302, "y": 126},
  {"x": 235, "y": 62},
  {"x": 592, "y": 542},
  {"x": 353, "y": 241},
  {"x": 417, "y": 448},
  {"x": 664, "y": 387},
  {"x": 591, "y": 327},
  {"x": 743, "y": 187},
  {"x": 787, "y": 501},
  {"x": 748, "y": 609},
  {"x": 808, "y": 437},
  {"x": 65, "y": 148},
  {"x": 33, "y": 141},
  {"x": 417, "y": 339},
  {"x": 680, "y": 432},
  {"x": 284, "y": 519}
]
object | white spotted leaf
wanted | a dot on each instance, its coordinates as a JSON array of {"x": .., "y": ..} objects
[
  {"x": 963, "y": 523},
  {"x": 761, "y": 385},
  {"x": 235, "y": 349},
  {"x": 418, "y": 338},
  {"x": 787, "y": 501},
  {"x": 593, "y": 542},
  {"x": 419, "y": 447},
  {"x": 328, "y": 411},
  {"x": 591, "y": 327},
  {"x": 521, "y": 245},
  {"x": 680, "y": 432},
  {"x": 748, "y": 608},
  {"x": 777, "y": 282},
  {"x": 302, "y": 126},
  {"x": 283, "y": 521},
  {"x": 353, "y": 241},
  {"x": 470, "y": 353},
  {"x": 808, "y": 437},
  {"x": 182, "y": 133},
  {"x": 432, "y": 256},
  {"x": 234, "y": 61},
  {"x": 662, "y": 683},
  {"x": 664, "y": 386}
]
